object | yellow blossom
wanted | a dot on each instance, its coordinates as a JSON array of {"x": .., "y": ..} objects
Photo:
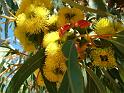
[
  {"x": 52, "y": 49},
  {"x": 37, "y": 11},
  {"x": 24, "y": 6},
  {"x": 21, "y": 19},
  {"x": 45, "y": 3},
  {"x": 34, "y": 20},
  {"x": 103, "y": 57},
  {"x": 69, "y": 15},
  {"x": 27, "y": 45},
  {"x": 54, "y": 68},
  {"x": 50, "y": 37},
  {"x": 104, "y": 26},
  {"x": 53, "y": 19}
]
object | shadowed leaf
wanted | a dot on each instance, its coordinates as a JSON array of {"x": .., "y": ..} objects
[{"x": 75, "y": 76}]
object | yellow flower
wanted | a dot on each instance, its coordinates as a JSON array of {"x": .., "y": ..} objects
[
  {"x": 37, "y": 11},
  {"x": 24, "y": 6},
  {"x": 53, "y": 49},
  {"x": 45, "y": 3},
  {"x": 36, "y": 20},
  {"x": 69, "y": 15},
  {"x": 39, "y": 78},
  {"x": 21, "y": 19},
  {"x": 53, "y": 22},
  {"x": 104, "y": 26},
  {"x": 50, "y": 37},
  {"x": 54, "y": 69},
  {"x": 27, "y": 45},
  {"x": 103, "y": 57},
  {"x": 55, "y": 65},
  {"x": 53, "y": 19}
]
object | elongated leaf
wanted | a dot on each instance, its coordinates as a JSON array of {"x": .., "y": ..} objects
[
  {"x": 107, "y": 75},
  {"x": 24, "y": 89},
  {"x": 75, "y": 76},
  {"x": 13, "y": 5},
  {"x": 65, "y": 87},
  {"x": 91, "y": 87},
  {"x": 110, "y": 82},
  {"x": 96, "y": 80},
  {"x": 121, "y": 72},
  {"x": 118, "y": 45},
  {"x": 29, "y": 66},
  {"x": 85, "y": 76}
]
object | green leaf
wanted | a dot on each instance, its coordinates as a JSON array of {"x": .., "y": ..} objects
[
  {"x": 110, "y": 82},
  {"x": 69, "y": 48},
  {"x": 13, "y": 5},
  {"x": 91, "y": 87},
  {"x": 118, "y": 45},
  {"x": 65, "y": 87},
  {"x": 85, "y": 76},
  {"x": 96, "y": 80},
  {"x": 121, "y": 72},
  {"x": 24, "y": 89},
  {"x": 75, "y": 76},
  {"x": 29, "y": 66},
  {"x": 2, "y": 88}
]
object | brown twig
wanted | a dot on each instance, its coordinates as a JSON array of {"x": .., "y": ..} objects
[{"x": 9, "y": 18}]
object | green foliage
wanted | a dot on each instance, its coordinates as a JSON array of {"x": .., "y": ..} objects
[
  {"x": 73, "y": 69},
  {"x": 65, "y": 86},
  {"x": 29, "y": 66},
  {"x": 100, "y": 86}
]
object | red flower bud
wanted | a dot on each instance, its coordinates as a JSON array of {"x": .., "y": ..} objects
[
  {"x": 63, "y": 29},
  {"x": 82, "y": 24}
]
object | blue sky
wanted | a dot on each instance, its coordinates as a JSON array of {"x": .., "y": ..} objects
[{"x": 11, "y": 37}]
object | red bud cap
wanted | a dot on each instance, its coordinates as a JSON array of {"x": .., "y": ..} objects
[
  {"x": 63, "y": 29},
  {"x": 82, "y": 23}
]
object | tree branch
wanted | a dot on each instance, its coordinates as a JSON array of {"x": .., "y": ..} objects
[{"x": 87, "y": 9}]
